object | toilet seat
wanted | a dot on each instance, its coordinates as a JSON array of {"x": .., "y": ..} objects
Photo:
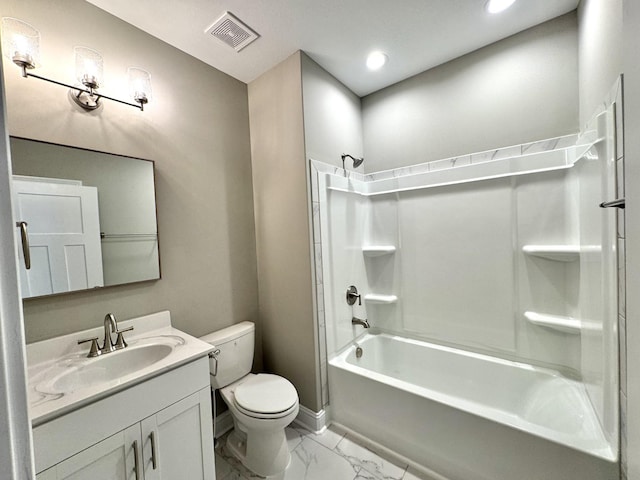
[{"x": 266, "y": 396}]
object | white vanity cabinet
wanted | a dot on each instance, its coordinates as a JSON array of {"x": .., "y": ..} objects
[
  {"x": 113, "y": 458},
  {"x": 158, "y": 429},
  {"x": 179, "y": 441}
]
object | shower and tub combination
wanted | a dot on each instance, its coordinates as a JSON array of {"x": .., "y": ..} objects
[{"x": 489, "y": 282}]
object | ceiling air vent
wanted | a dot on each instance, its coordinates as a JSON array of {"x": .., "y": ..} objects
[{"x": 232, "y": 32}]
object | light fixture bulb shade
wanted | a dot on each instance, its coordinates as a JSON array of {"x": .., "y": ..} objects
[
  {"x": 139, "y": 84},
  {"x": 89, "y": 67},
  {"x": 20, "y": 42}
]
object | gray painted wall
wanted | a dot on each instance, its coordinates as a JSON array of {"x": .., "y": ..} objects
[
  {"x": 521, "y": 89},
  {"x": 332, "y": 116},
  {"x": 632, "y": 230},
  {"x": 196, "y": 129},
  {"x": 282, "y": 227},
  {"x": 600, "y": 52}
]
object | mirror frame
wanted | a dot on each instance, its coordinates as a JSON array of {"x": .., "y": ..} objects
[{"x": 155, "y": 193}]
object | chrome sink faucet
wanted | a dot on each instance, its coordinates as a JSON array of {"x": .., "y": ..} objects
[
  {"x": 359, "y": 321},
  {"x": 110, "y": 326}
]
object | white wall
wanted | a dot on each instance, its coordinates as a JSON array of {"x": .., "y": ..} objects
[
  {"x": 344, "y": 218},
  {"x": 521, "y": 89}
]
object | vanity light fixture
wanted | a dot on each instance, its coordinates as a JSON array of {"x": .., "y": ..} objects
[
  {"x": 376, "y": 60},
  {"x": 139, "y": 85},
  {"x": 497, "y": 6},
  {"x": 21, "y": 43}
]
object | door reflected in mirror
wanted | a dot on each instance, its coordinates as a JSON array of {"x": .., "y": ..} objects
[{"x": 90, "y": 218}]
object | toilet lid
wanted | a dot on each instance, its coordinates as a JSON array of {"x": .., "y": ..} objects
[{"x": 264, "y": 393}]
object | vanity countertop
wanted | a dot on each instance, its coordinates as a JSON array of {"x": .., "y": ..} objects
[{"x": 62, "y": 378}]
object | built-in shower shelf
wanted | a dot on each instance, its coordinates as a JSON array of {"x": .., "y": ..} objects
[
  {"x": 560, "y": 253},
  {"x": 381, "y": 299},
  {"x": 560, "y": 323},
  {"x": 378, "y": 250}
]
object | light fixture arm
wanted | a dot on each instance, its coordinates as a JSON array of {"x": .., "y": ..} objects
[{"x": 89, "y": 91}]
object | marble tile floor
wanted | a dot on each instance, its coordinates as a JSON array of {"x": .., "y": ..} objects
[{"x": 331, "y": 455}]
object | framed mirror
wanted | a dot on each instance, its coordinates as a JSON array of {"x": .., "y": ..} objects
[{"x": 85, "y": 219}]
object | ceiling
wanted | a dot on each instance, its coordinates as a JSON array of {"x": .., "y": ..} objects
[{"x": 338, "y": 34}]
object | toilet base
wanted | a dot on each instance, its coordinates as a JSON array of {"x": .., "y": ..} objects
[{"x": 264, "y": 453}]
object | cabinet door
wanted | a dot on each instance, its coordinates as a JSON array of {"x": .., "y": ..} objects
[
  {"x": 178, "y": 441},
  {"x": 112, "y": 459}
]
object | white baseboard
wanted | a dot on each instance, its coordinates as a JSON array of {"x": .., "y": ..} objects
[{"x": 314, "y": 421}]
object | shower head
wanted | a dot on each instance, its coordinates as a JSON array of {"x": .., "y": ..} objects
[{"x": 356, "y": 161}]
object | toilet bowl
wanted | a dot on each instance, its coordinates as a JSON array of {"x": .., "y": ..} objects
[{"x": 261, "y": 405}]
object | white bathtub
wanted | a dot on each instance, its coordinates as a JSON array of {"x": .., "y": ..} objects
[{"x": 468, "y": 416}]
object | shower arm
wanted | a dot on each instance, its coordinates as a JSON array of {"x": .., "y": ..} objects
[{"x": 356, "y": 161}]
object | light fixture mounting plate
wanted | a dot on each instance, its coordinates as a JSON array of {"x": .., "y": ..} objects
[{"x": 88, "y": 101}]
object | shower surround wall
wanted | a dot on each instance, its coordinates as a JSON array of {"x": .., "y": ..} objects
[
  {"x": 414, "y": 254},
  {"x": 402, "y": 245}
]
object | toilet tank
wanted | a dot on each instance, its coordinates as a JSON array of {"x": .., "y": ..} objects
[{"x": 236, "y": 344}]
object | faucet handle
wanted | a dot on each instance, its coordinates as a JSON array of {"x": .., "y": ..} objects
[
  {"x": 94, "y": 351},
  {"x": 353, "y": 295},
  {"x": 120, "y": 343}
]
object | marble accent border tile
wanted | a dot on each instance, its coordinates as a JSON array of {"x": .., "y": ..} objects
[
  {"x": 622, "y": 340},
  {"x": 461, "y": 161},
  {"x": 556, "y": 143},
  {"x": 315, "y": 210},
  {"x": 623, "y": 431},
  {"x": 439, "y": 165},
  {"x": 622, "y": 276},
  {"x": 313, "y": 177},
  {"x": 619, "y": 123},
  {"x": 318, "y": 258},
  {"x": 315, "y": 169},
  {"x": 320, "y": 297},
  {"x": 620, "y": 177}
]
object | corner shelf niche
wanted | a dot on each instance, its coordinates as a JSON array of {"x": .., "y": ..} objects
[
  {"x": 380, "y": 299},
  {"x": 378, "y": 250},
  {"x": 560, "y": 323},
  {"x": 561, "y": 253}
]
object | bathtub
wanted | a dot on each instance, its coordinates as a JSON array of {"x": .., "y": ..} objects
[{"x": 469, "y": 416}]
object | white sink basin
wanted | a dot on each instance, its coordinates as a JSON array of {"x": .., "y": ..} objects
[
  {"x": 105, "y": 368},
  {"x": 62, "y": 378}
]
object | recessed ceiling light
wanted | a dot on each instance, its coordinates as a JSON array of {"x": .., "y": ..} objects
[
  {"x": 376, "y": 60},
  {"x": 497, "y": 6}
]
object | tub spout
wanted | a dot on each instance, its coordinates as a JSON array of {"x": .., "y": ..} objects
[{"x": 359, "y": 321}]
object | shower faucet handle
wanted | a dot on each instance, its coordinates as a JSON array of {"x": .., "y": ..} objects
[{"x": 352, "y": 295}]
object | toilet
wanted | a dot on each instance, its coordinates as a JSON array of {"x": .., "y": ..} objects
[{"x": 261, "y": 405}]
